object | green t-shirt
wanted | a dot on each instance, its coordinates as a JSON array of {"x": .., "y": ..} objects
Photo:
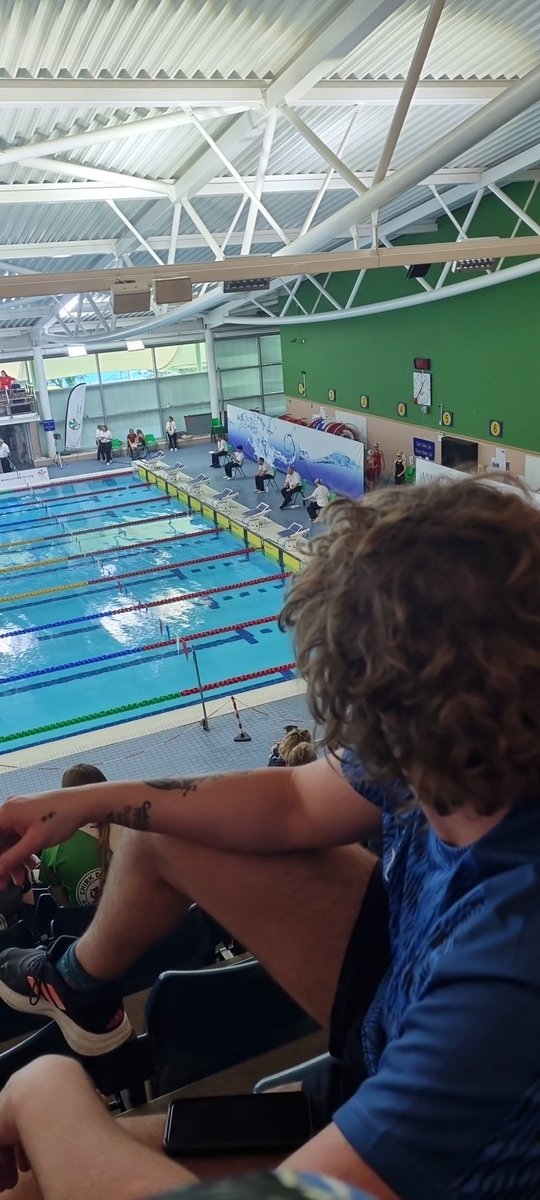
[{"x": 75, "y": 866}]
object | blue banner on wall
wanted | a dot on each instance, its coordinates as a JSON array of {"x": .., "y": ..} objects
[
  {"x": 338, "y": 461},
  {"x": 422, "y": 448}
]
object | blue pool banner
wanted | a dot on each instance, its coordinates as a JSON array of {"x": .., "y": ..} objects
[
  {"x": 423, "y": 448},
  {"x": 74, "y": 416},
  {"x": 338, "y": 461}
]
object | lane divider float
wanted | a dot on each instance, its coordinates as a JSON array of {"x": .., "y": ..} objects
[
  {"x": 162, "y": 645},
  {"x": 51, "y": 562},
  {"x": 111, "y": 579},
  {"x": 118, "y": 612},
  {"x": 282, "y": 669}
]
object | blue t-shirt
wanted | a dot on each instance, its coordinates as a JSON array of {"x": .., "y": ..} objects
[{"x": 451, "y": 1106}]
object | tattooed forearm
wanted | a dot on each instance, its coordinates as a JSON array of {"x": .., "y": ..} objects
[
  {"x": 132, "y": 816},
  {"x": 185, "y": 786}
]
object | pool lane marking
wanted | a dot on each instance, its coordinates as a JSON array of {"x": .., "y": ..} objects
[
  {"x": 95, "y": 511},
  {"x": 110, "y": 580},
  {"x": 117, "y": 612},
  {"x": 238, "y": 627},
  {"x": 50, "y": 562},
  {"x": 7, "y": 547}
]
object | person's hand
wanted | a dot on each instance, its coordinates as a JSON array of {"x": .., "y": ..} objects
[{"x": 30, "y": 823}]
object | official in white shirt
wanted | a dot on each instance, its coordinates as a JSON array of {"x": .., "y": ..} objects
[
  {"x": 318, "y": 500},
  {"x": 170, "y": 430},
  {"x": 221, "y": 451},
  {"x": 292, "y": 486},
  {"x": 5, "y": 459}
]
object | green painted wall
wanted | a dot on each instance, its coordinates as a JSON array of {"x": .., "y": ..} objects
[{"x": 484, "y": 351}]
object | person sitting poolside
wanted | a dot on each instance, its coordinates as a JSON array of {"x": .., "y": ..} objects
[
  {"x": 291, "y": 487},
  {"x": 318, "y": 501},
  {"x": 236, "y": 461},
  {"x": 75, "y": 870},
  {"x": 221, "y": 451},
  {"x": 425, "y": 684},
  {"x": 264, "y": 472},
  {"x": 133, "y": 444},
  {"x": 141, "y": 443},
  {"x": 281, "y": 751}
]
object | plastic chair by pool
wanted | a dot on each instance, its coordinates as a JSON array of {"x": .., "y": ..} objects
[
  {"x": 271, "y": 481},
  {"x": 216, "y": 429},
  {"x": 151, "y": 441},
  {"x": 410, "y": 474},
  {"x": 117, "y": 446}
]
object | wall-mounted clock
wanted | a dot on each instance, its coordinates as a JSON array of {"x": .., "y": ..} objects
[
  {"x": 332, "y": 395},
  {"x": 422, "y": 388},
  {"x": 401, "y": 409},
  {"x": 301, "y": 389},
  {"x": 447, "y": 418},
  {"x": 495, "y": 429},
  {"x": 364, "y": 401}
]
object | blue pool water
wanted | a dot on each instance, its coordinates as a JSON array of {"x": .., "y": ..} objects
[{"x": 122, "y": 546}]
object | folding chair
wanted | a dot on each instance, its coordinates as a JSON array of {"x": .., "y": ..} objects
[
  {"x": 293, "y": 532},
  {"x": 257, "y": 515},
  {"x": 271, "y": 482},
  {"x": 201, "y": 1022}
]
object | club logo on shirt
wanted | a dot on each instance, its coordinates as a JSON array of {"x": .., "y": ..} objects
[{"x": 89, "y": 887}]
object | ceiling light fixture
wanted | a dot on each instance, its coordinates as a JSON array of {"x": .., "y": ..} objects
[
  {"x": 136, "y": 345},
  {"x": 76, "y": 351}
]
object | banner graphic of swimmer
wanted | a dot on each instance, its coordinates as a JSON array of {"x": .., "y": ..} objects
[
  {"x": 74, "y": 416},
  {"x": 338, "y": 461}
]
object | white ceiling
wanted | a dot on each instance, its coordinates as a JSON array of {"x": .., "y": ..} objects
[{"x": 83, "y": 69}]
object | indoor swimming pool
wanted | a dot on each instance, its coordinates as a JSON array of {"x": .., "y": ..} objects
[{"x": 106, "y": 586}]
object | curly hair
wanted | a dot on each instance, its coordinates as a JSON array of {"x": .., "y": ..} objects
[{"x": 417, "y": 628}]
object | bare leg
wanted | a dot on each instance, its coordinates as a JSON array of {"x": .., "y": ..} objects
[{"x": 294, "y": 911}]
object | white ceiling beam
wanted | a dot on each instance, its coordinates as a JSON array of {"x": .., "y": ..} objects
[
  {"x": 351, "y": 179},
  {"x": 199, "y": 224},
  {"x": 526, "y": 207},
  {"x": 462, "y": 235},
  {"x": 173, "y": 238},
  {"x": 168, "y": 93},
  {"x": 406, "y": 98},
  {"x": 89, "y": 193},
  {"x": 68, "y": 193},
  {"x": 328, "y": 177},
  {"x": 138, "y": 236},
  {"x": 109, "y": 133},
  {"x": 515, "y": 208},
  {"x": 266, "y": 148},
  {"x": 326, "y": 50},
  {"x": 185, "y": 241},
  {"x": 57, "y": 166},
  {"x": 467, "y": 134},
  {"x": 238, "y": 136},
  {"x": 218, "y": 149}
]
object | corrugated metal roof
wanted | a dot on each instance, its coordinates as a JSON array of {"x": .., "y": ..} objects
[
  {"x": 475, "y": 39},
  {"x": 234, "y": 39},
  {"x": 161, "y": 37}
]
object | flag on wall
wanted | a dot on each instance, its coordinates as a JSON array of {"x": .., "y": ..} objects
[{"x": 75, "y": 416}]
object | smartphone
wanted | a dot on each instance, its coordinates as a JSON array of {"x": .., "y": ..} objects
[{"x": 237, "y": 1124}]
